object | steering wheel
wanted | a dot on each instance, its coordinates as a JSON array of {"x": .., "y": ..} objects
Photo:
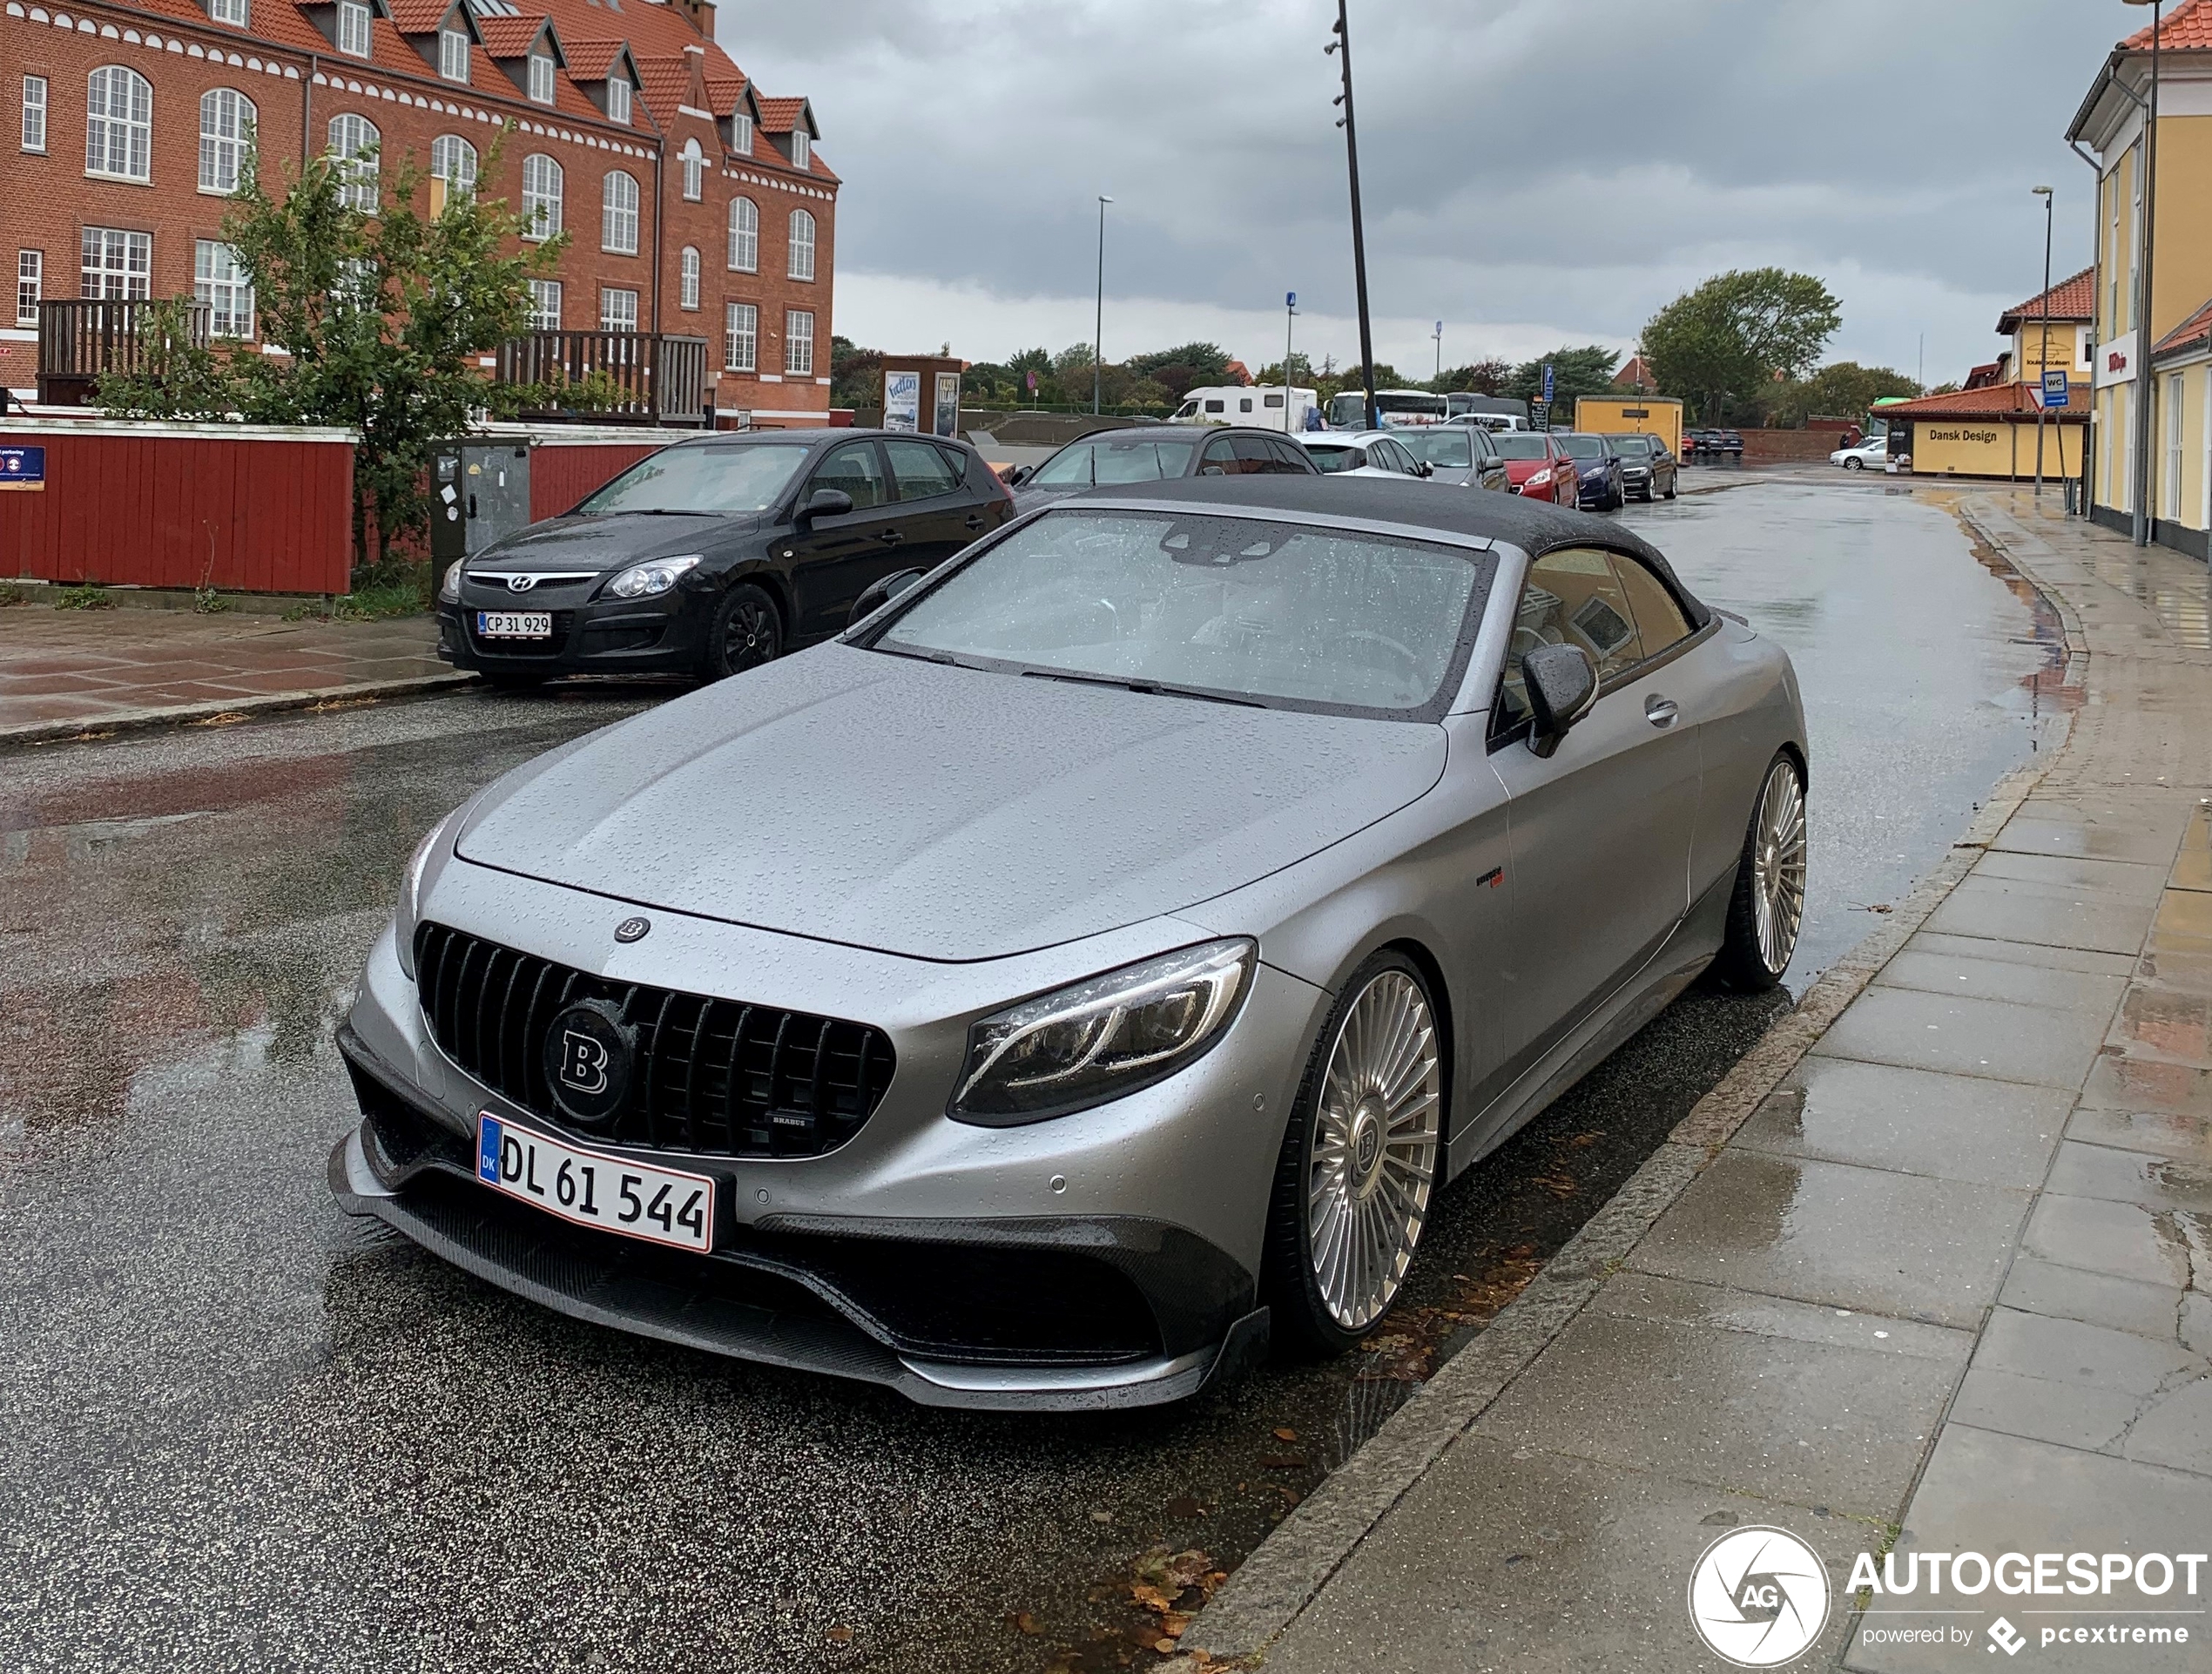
[{"x": 1367, "y": 636}]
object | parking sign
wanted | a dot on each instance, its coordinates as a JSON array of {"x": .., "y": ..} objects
[{"x": 1549, "y": 383}]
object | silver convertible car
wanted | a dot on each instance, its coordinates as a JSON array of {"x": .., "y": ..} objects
[{"x": 1090, "y": 967}]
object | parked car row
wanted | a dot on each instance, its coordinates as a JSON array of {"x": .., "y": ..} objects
[{"x": 1713, "y": 445}]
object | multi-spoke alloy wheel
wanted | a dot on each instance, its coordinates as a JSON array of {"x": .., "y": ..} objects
[
  {"x": 1769, "y": 905},
  {"x": 1372, "y": 1159}
]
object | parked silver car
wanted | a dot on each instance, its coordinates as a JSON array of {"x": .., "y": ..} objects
[{"x": 1091, "y": 964}]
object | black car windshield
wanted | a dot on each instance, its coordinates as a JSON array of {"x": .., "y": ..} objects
[
  {"x": 1283, "y": 615},
  {"x": 1586, "y": 446},
  {"x": 1442, "y": 445},
  {"x": 1109, "y": 459},
  {"x": 1521, "y": 445},
  {"x": 1634, "y": 447},
  {"x": 736, "y": 476}
]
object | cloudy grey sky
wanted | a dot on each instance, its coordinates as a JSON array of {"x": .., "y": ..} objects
[{"x": 1535, "y": 171}]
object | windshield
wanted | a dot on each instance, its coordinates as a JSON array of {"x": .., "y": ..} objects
[
  {"x": 1440, "y": 447},
  {"x": 1523, "y": 444},
  {"x": 1282, "y": 615},
  {"x": 1108, "y": 459},
  {"x": 1586, "y": 446},
  {"x": 1635, "y": 447},
  {"x": 1332, "y": 460},
  {"x": 734, "y": 476},
  {"x": 1407, "y": 400}
]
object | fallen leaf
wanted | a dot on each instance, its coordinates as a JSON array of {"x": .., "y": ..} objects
[
  {"x": 228, "y": 717},
  {"x": 1173, "y": 1622},
  {"x": 1023, "y": 1622},
  {"x": 1102, "y": 1516},
  {"x": 1560, "y": 1185},
  {"x": 841, "y": 1635},
  {"x": 1582, "y": 1140},
  {"x": 1521, "y": 1252},
  {"x": 1165, "y": 1647},
  {"x": 1881, "y": 906},
  {"x": 1156, "y": 1599},
  {"x": 1282, "y": 1461},
  {"x": 1286, "y": 1435}
]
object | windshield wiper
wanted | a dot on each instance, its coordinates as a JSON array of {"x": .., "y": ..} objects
[
  {"x": 944, "y": 657},
  {"x": 1154, "y": 688}
]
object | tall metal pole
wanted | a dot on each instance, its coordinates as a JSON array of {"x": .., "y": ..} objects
[
  {"x": 1342, "y": 46},
  {"x": 2146, "y": 394},
  {"x": 1098, "y": 326},
  {"x": 1289, "y": 314},
  {"x": 2043, "y": 355},
  {"x": 1439, "y": 348}
]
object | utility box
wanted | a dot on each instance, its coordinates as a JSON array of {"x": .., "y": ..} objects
[
  {"x": 1651, "y": 415},
  {"x": 480, "y": 493}
]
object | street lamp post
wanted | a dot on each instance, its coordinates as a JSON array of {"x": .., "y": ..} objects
[
  {"x": 1098, "y": 325},
  {"x": 1289, "y": 314},
  {"x": 2043, "y": 354},
  {"x": 2145, "y": 401},
  {"x": 1439, "y": 348},
  {"x": 1342, "y": 46}
]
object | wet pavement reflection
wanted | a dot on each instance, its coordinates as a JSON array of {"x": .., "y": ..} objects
[{"x": 238, "y": 1429}]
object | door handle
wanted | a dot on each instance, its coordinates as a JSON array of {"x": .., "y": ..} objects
[
  {"x": 1661, "y": 711},
  {"x": 890, "y": 537},
  {"x": 974, "y": 520}
]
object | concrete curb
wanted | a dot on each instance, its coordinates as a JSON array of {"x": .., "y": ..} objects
[{"x": 146, "y": 720}]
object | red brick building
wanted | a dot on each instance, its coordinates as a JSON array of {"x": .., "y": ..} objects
[{"x": 696, "y": 206}]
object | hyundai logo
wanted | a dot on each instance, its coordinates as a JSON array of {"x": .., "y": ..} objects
[{"x": 521, "y": 583}]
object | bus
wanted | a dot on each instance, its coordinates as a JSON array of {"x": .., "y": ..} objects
[{"x": 1349, "y": 410}]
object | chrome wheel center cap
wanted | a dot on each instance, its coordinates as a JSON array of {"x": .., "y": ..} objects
[{"x": 1366, "y": 1144}]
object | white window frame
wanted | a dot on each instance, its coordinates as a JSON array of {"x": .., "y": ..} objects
[
  {"x": 452, "y": 55},
  {"x": 228, "y": 11},
  {"x": 124, "y": 266},
  {"x": 740, "y": 337},
  {"x": 799, "y": 343},
  {"x": 226, "y": 122},
  {"x": 2135, "y": 245},
  {"x": 2176, "y": 429},
  {"x": 545, "y": 305},
  {"x": 350, "y": 134},
  {"x": 217, "y": 282},
  {"x": 619, "y": 99},
  {"x": 543, "y": 182},
  {"x": 741, "y": 134},
  {"x": 541, "y": 77},
  {"x": 618, "y": 213},
  {"x": 2204, "y": 487},
  {"x": 453, "y": 160},
  {"x": 744, "y": 236},
  {"x": 800, "y": 265},
  {"x": 34, "y": 113},
  {"x": 617, "y": 309},
  {"x": 694, "y": 162},
  {"x": 802, "y": 150},
  {"x": 112, "y": 138},
  {"x": 30, "y": 284},
  {"x": 353, "y": 39},
  {"x": 687, "y": 269}
]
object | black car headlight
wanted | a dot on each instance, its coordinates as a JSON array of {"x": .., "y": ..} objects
[
  {"x": 1103, "y": 1037},
  {"x": 450, "y": 588},
  {"x": 644, "y": 580}
]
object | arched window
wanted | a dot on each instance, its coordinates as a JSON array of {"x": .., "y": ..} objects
[
  {"x": 744, "y": 235},
  {"x": 802, "y": 245},
  {"x": 540, "y": 197},
  {"x": 618, "y": 215},
  {"x": 694, "y": 161},
  {"x": 118, "y": 123},
  {"x": 355, "y": 142},
  {"x": 688, "y": 265},
  {"x": 452, "y": 160},
  {"x": 226, "y": 119}
]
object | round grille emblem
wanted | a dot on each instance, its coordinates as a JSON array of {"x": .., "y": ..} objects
[
  {"x": 588, "y": 1052},
  {"x": 632, "y": 929}
]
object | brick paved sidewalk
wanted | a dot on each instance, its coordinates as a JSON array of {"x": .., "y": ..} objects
[{"x": 65, "y": 671}]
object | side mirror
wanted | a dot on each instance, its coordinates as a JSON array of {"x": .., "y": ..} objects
[
  {"x": 824, "y": 503},
  {"x": 877, "y": 594},
  {"x": 1422, "y": 468},
  {"x": 1020, "y": 475},
  {"x": 1561, "y": 680}
]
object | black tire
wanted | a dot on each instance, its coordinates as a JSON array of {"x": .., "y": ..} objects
[
  {"x": 1670, "y": 488},
  {"x": 746, "y": 631},
  {"x": 1854, "y": 464},
  {"x": 504, "y": 681},
  {"x": 1744, "y": 964},
  {"x": 1300, "y": 1322}
]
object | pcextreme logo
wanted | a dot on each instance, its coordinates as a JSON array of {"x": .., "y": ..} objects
[{"x": 1758, "y": 1597}]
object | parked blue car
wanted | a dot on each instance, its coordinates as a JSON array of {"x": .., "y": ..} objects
[{"x": 1599, "y": 464}]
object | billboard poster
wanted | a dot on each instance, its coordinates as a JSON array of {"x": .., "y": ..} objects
[
  {"x": 948, "y": 413},
  {"x": 902, "y": 401}
]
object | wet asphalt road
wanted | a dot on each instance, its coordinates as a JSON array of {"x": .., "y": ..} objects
[{"x": 238, "y": 1430}]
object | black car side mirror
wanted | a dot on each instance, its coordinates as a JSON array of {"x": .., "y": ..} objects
[
  {"x": 1561, "y": 680},
  {"x": 1422, "y": 468},
  {"x": 877, "y": 594},
  {"x": 824, "y": 503},
  {"x": 1020, "y": 475}
]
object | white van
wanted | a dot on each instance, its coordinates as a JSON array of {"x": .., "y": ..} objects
[{"x": 1236, "y": 404}]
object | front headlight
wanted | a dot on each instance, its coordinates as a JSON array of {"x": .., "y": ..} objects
[
  {"x": 410, "y": 911},
  {"x": 1539, "y": 479},
  {"x": 644, "y": 580},
  {"x": 449, "y": 589},
  {"x": 1103, "y": 1037}
]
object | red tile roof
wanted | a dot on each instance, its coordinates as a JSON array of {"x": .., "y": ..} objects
[
  {"x": 666, "y": 83},
  {"x": 779, "y": 115},
  {"x": 511, "y": 37},
  {"x": 418, "y": 16},
  {"x": 2073, "y": 300},
  {"x": 591, "y": 60},
  {"x": 1993, "y": 400},
  {"x": 2192, "y": 333},
  {"x": 2187, "y": 28}
]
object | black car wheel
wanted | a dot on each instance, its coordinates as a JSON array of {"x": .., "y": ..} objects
[{"x": 746, "y": 632}]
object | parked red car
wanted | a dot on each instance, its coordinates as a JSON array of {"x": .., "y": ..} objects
[{"x": 1538, "y": 467}]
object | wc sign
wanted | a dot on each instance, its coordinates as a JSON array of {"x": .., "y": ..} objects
[{"x": 22, "y": 467}]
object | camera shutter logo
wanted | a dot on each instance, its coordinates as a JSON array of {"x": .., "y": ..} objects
[{"x": 1758, "y": 1597}]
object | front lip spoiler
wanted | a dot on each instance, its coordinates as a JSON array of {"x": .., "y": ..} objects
[{"x": 747, "y": 1332}]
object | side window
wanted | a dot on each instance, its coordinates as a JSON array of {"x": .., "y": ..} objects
[
  {"x": 854, "y": 469},
  {"x": 920, "y": 470},
  {"x": 1261, "y": 455},
  {"x": 1660, "y": 622},
  {"x": 1290, "y": 459},
  {"x": 1572, "y": 597},
  {"x": 1402, "y": 458},
  {"x": 1220, "y": 458}
]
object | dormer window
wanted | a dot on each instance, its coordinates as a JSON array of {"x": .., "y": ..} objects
[
  {"x": 352, "y": 28},
  {"x": 452, "y": 55},
  {"x": 227, "y": 11},
  {"x": 540, "y": 79},
  {"x": 741, "y": 134},
  {"x": 800, "y": 153},
  {"x": 618, "y": 100}
]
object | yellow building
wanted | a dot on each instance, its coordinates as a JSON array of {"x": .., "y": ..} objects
[
  {"x": 2068, "y": 317},
  {"x": 1990, "y": 432},
  {"x": 2164, "y": 342}
]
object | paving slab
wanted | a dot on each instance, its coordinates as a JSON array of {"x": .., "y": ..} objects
[
  {"x": 2134, "y": 880},
  {"x": 2184, "y": 1136},
  {"x": 2035, "y": 1285},
  {"x": 1960, "y": 1035},
  {"x": 2086, "y": 960},
  {"x": 1935, "y": 971},
  {"x": 1916, "y": 1120},
  {"x": 2127, "y": 1239},
  {"x": 2119, "y": 1083},
  {"x": 2004, "y": 909},
  {"x": 2042, "y": 827},
  {"x": 2070, "y": 1381}
]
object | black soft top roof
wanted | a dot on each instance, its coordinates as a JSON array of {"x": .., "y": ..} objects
[{"x": 1532, "y": 525}]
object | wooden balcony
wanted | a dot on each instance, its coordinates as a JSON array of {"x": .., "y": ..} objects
[
  {"x": 82, "y": 340},
  {"x": 662, "y": 380}
]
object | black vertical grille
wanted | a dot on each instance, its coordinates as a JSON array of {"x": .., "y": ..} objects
[{"x": 714, "y": 1076}]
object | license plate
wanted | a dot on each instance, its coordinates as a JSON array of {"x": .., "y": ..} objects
[
  {"x": 590, "y": 1188},
  {"x": 515, "y": 625}
]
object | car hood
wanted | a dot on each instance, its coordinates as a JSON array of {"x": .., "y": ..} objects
[
  {"x": 604, "y": 543},
  {"x": 941, "y": 813}
]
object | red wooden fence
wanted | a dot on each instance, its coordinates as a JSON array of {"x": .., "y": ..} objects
[
  {"x": 243, "y": 508},
  {"x": 563, "y": 472}
]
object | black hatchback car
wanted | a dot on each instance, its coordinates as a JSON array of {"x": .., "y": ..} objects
[
  {"x": 716, "y": 555},
  {"x": 1154, "y": 452}
]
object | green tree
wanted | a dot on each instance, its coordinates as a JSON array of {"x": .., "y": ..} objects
[
  {"x": 1840, "y": 389},
  {"x": 1723, "y": 345},
  {"x": 1484, "y": 377},
  {"x": 856, "y": 374},
  {"x": 1584, "y": 371},
  {"x": 380, "y": 318}
]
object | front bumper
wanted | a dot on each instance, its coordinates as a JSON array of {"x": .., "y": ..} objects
[{"x": 655, "y": 635}]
